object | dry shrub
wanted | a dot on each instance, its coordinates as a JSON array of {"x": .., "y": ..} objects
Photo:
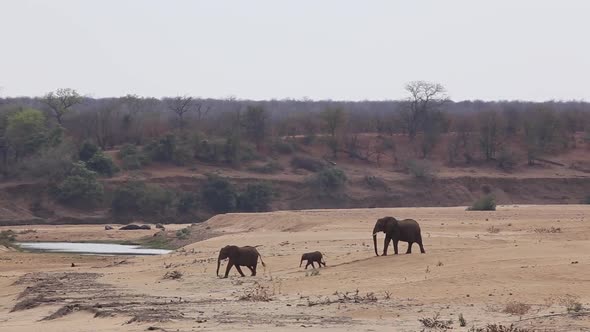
[
  {"x": 542, "y": 230},
  {"x": 499, "y": 328},
  {"x": 462, "y": 321},
  {"x": 256, "y": 293},
  {"x": 173, "y": 275},
  {"x": 493, "y": 230},
  {"x": 485, "y": 203},
  {"x": 348, "y": 297},
  {"x": 436, "y": 323},
  {"x": 517, "y": 308},
  {"x": 571, "y": 303}
]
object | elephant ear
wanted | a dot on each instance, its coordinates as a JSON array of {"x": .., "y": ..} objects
[
  {"x": 233, "y": 251},
  {"x": 391, "y": 225},
  {"x": 380, "y": 225}
]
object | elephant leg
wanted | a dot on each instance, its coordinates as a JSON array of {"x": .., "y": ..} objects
[
  {"x": 323, "y": 263},
  {"x": 421, "y": 247},
  {"x": 252, "y": 269},
  {"x": 306, "y": 265},
  {"x": 240, "y": 270},
  {"x": 229, "y": 266},
  {"x": 312, "y": 265},
  {"x": 395, "y": 242},
  {"x": 386, "y": 244},
  {"x": 409, "y": 251}
]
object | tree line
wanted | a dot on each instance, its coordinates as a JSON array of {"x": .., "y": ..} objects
[{"x": 181, "y": 128}]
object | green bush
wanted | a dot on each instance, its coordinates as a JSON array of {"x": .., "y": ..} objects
[
  {"x": 182, "y": 155},
  {"x": 80, "y": 187},
  {"x": 420, "y": 169},
  {"x": 186, "y": 202},
  {"x": 131, "y": 162},
  {"x": 486, "y": 203},
  {"x": 283, "y": 147},
  {"x": 51, "y": 163},
  {"x": 131, "y": 157},
  {"x": 183, "y": 234},
  {"x": 309, "y": 140},
  {"x": 268, "y": 168},
  {"x": 256, "y": 198},
  {"x": 209, "y": 151},
  {"x": 330, "y": 179},
  {"x": 87, "y": 151},
  {"x": 136, "y": 197},
  {"x": 162, "y": 149},
  {"x": 310, "y": 164},
  {"x": 506, "y": 159},
  {"x": 219, "y": 195},
  {"x": 25, "y": 131},
  {"x": 375, "y": 183},
  {"x": 7, "y": 238},
  {"x": 102, "y": 164}
]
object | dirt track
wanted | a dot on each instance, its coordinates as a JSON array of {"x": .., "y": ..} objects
[{"x": 468, "y": 269}]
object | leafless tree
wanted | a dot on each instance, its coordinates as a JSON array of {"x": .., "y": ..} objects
[
  {"x": 61, "y": 101},
  {"x": 201, "y": 112},
  {"x": 489, "y": 133},
  {"x": 333, "y": 118},
  {"x": 424, "y": 97},
  {"x": 180, "y": 105}
]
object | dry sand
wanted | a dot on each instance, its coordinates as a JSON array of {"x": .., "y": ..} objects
[{"x": 467, "y": 270}]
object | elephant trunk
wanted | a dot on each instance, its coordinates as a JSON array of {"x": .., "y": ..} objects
[
  {"x": 218, "y": 264},
  {"x": 375, "y": 243},
  {"x": 301, "y": 262}
]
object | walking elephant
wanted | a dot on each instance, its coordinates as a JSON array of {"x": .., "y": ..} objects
[
  {"x": 239, "y": 256},
  {"x": 406, "y": 230},
  {"x": 312, "y": 257}
]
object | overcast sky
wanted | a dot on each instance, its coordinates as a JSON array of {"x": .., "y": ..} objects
[{"x": 319, "y": 49}]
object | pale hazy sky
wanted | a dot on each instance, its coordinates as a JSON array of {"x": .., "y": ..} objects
[{"x": 320, "y": 49}]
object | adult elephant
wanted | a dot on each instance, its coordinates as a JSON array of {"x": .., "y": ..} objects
[
  {"x": 406, "y": 230},
  {"x": 239, "y": 256}
]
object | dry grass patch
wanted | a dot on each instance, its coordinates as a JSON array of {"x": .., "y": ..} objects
[
  {"x": 498, "y": 328},
  {"x": 542, "y": 230},
  {"x": 517, "y": 308},
  {"x": 493, "y": 230},
  {"x": 173, "y": 275},
  {"x": 571, "y": 303},
  {"x": 256, "y": 293},
  {"x": 436, "y": 323}
]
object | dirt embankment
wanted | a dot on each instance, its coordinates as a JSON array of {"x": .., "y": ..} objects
[{"x": 26, "y": 204}]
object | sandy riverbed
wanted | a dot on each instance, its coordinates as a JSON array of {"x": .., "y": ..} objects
[{"x": 468, "y": 269}]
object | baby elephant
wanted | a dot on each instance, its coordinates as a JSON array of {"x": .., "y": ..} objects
[{"x": 312, "y": 257}]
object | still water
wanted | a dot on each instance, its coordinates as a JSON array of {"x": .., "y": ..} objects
[{"x": 91, "y": 248}]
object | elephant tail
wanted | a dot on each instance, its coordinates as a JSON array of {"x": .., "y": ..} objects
[{"x": 261, "y": 261}]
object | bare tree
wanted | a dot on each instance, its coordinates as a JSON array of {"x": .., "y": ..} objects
[
  {"x": 201, "y": 113},
  {"x": 255, "y": 123},
  {"x": 61, "y": 101},
  {"x": 489, "y": 133},
  {"x": 180, "y": 105},
  {"x": 424, "y": 97},
  {"x": 333, "y": 118}
]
